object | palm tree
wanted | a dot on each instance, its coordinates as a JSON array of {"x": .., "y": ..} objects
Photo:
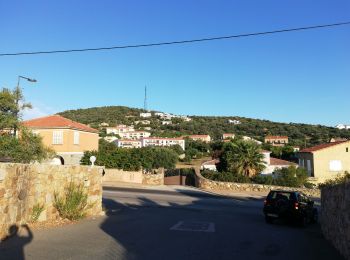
[{"x": 243, "y": 157}]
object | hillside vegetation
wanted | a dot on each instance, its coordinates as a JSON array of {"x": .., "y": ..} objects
[{"x": 299, "y": 134}]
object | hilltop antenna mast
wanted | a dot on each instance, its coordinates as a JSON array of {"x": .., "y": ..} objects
[{"x": 145, "y": 101}]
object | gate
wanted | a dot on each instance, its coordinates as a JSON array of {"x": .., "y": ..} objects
[{"x": 179, "y": 177}]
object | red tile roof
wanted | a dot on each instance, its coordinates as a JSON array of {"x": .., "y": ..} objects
[
  {"x": 275, "y": 161},
  {"x": 320, "y": 147},
  {"x": 57, "y": 121}
]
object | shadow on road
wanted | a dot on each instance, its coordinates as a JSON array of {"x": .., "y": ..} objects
[
  {"x": 13, "y": 247},
  {"x": 145, "y": 230}
]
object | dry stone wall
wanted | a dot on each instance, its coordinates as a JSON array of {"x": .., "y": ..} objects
[
  {"x": 335, "y": 216},
  {"x": 207, "y": 184},
  {"x": 22, "y": 186}
]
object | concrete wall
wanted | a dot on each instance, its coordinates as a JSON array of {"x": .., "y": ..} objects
[
  {"x": 207, "y": 184},
  {"x": 116, "y": 175},
  {"x": 335, "y": 216},
  {"x": 24, "y": 185}
]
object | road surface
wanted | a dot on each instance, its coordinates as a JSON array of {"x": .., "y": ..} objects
[{"x": 173, "y": 223}]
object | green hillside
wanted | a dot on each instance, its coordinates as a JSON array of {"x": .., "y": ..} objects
[{"x": 299, "y": 134}]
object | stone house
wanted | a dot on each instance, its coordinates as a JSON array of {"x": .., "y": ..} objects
[
  {"x": 326, "y": 161},
  {"x": 67, "y": 138}
]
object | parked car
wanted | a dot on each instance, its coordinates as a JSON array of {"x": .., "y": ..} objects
[{"x": 290, "y": 205}]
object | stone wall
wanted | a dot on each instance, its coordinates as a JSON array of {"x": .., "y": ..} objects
[
  {"x": 207, "y": 184},
  {"x": 156, "y": 178},
  {"x": 22, "y": 186},
  {"x": 335, "y": 216}
]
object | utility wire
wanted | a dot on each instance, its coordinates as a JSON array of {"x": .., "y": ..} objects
[{"x": 177, "y": 42}]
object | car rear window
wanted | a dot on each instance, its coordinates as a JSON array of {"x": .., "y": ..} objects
[{"x": 280, "y": 195}]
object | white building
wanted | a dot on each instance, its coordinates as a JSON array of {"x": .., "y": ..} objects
[
  {"x": 134, "y": 135},
  {"x": 235, "y": 122},
  {"x": 272, "y": 164},
  {"x": 146, "y": 115},
  {"x": 110, "y": 138},
  {"x": 118, "y": 129},
  {"x": 122, "y": 143},
  {"x": 143, "y": 122},
  {"x": 166, "y": 122},
  {"x": 210, "y": 165},
  {"x": 203, "y": 138},
  {"x": 342, "y": 126},
  {"x": 159, "y": 141}
]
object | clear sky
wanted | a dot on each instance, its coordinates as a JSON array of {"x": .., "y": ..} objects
[{"x": 290, "y": 77}]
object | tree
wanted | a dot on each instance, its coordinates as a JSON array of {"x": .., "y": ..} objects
[
  {"x": 27, "y": 148},
  {"x": 242, "y": 157},
  {"x": 11, "y": 105},
  {"x": 291, "y": 176}
]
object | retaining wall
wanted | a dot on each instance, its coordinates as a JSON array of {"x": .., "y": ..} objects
[
  {"x": 335, "y": 217},
  {"x": 22, "y": 186},
  {"x": 207, "y": 184}
]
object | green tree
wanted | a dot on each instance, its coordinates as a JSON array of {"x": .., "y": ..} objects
[
  {"x": 291, "y": 177},
  {"x": 27, "y": 148},
  {"x": 242, "y": 157}
]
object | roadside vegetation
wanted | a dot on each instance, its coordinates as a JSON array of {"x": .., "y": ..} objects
[
  {"x": 148, "y": 158},
  {"x": 339, "y": 180},
  {"x": 241, "y": 162},
  {"x": 72, "y": 204},
  {"x": 26, "y": 147}
]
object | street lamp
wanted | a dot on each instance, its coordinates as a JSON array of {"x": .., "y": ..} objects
[{"x": 18, "y": 97}]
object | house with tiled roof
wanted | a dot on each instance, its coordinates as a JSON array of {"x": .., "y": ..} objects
[
  {"x": 326, "y": 161},
  {"x": 69, "y": 139},
  {"x": 272, "y": 164}
]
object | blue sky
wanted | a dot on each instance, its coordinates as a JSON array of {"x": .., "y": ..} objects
[{"x": 290, "y": 77}]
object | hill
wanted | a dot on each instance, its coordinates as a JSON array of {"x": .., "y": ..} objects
[{"x": 299, "y": 134}]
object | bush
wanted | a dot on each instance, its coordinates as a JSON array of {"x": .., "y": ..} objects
[
  {"x": 37, "y": 210},
  {"x": 339, "y": 180},
  {"x": 73, "y": 204},
  {"x": 263, "y": 179},
  {"x": 133, "y": 159},
  {"x": 225, "y": 176}
]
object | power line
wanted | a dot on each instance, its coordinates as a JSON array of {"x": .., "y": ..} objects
[{"x": 177, "y": 42}]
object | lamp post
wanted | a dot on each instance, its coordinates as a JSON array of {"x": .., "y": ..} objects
[{"x": 18, "y": 97}]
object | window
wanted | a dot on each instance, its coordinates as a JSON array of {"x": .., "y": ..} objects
[
  {"x": 308, "y": 164},
  {"x": 347, "y": 149},
  {"x": 57, "y": 137},
  {"x": 76, "y": 137},
  {"x": 335, "y": 166},
  {"x": 301, "y": 162}
]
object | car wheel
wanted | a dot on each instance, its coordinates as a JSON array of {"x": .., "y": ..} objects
[{"x": 268, "y": 220}]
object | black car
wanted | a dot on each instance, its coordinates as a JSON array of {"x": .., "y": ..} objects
[{"x": 289, "y": 205}]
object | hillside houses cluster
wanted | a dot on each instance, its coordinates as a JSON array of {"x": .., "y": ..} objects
[{"x": 71, "y": 139}]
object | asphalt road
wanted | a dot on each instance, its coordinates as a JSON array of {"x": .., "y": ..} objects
[{"x": 172, "y": 223}]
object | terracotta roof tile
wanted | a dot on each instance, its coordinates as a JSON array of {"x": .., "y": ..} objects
[
  {"x": 57, "y": 121},
  {"x": 320, "y": 147},
  {"x": 276, "y": 161}
]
